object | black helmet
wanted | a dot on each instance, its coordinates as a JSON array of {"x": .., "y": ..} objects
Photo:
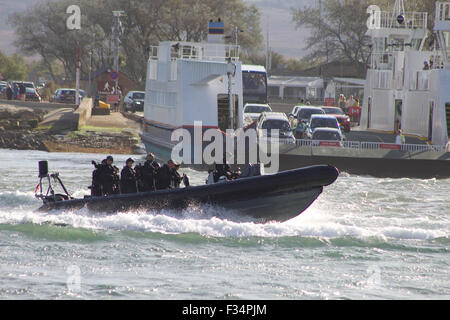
[
  {"x": 109, "y": 158},
  {"x": 129, "y": 160}
]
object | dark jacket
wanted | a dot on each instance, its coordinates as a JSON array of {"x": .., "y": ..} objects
[
  {"x": 167, "y": 178},
  {"x": 147, "y": 175},
  {"x": 9, "y": 93},
  {"x": 128, "y": 180},
  {"x": 222, "y": 170},
  {"x": 22, "y": 89},
  {"x": 108, "y": 179}
]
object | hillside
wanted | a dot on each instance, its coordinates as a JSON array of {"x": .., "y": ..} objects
[{"x": 275, "y": 15}]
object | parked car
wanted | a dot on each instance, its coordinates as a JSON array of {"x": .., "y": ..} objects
[
  {"x": 321, "y": 121},
  {"x": 134, "y": 101},
  {"x": 3, "y": 86},
  {"x": 302, "y": 117},
  {"x": 252, "y": 111},
  {"x": 29, "y": 84},
  {"x": 344, "y": 120},
  {"x": 269, "y": 121},
  {"x": 32, "y": 95},
  {"x": 65, "y": 95}
]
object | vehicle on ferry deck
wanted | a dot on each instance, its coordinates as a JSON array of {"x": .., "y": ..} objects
[
  {"x": 321, "y": 121},
  {"x": 294, "y": 111},
  {"x": 252, "y": 111},
  {"x": 327, "y": 134},
  {"x": 301, "y": 119},
  {"x": 344, "y": 120},
  {"x": 269, "y": 121},
  {"x": 254, "y": 84}
]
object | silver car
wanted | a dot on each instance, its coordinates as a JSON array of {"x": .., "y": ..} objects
[{"x": 134, "y": 101}]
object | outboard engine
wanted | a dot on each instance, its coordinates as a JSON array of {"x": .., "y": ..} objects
[
  {"x": 210, "y": 179},
  {"x": 50, "y": 195}
]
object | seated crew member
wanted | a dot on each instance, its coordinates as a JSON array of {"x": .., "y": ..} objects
[
  {"x": 128, "y": 178},
  {"x": 223, "y": 169},
  {"x": 147, "y": 173},
  {"x": 108, "y": 177},
  {"x": 168, "y": 177}
]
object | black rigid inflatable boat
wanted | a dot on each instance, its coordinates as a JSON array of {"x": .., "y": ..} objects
[{"x": 276, "y": 197}]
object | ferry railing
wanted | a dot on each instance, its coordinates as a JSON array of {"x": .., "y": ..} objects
[
  {"x": 412, "y": 20},
  {"x": 366, "y": 145},
  {"x": 442, "y": 11},
  {"x": 198, "y": 51}
]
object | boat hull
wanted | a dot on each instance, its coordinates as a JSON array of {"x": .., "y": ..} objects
[{"x": 277, "y": 197}]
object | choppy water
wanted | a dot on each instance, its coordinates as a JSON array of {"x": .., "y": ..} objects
[{"x": 364, "y": 238}]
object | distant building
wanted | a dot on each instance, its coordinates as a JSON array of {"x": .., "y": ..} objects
[
  {"x": 295, "y": 88},
  {"x": 318, "y": 83},
  {"x": 341, "y": 69},
  {"x": 291, "y": 89}
]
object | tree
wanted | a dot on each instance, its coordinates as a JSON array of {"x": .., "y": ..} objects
[
  {"x": 337, "y": 30},
  {"x": 13, "y": 67},
  {"x": 42, "y": 30},
  {"x": 338, "y": 27}
]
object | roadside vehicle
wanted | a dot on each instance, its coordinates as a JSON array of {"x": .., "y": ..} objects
[
  {"x": 3, "y": 86},
  {"x": 344, "y": 120},
  {"x": 134, "y": 101},
  {"x": 32, "y": 95},
  {"x": 65, "y": 95}
]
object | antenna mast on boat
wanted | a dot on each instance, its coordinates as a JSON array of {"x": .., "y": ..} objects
[{"x": 399, "y": 10}]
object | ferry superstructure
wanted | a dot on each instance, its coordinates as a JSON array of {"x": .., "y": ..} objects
[
  {"x": 407, "y": 87},
  {"x": 189, "y": 85}
]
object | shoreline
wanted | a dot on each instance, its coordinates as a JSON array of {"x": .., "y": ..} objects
[{"x": 26, "y": 129}]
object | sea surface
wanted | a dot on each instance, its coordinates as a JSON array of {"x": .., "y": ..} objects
[{"x": 364, "y": 238}]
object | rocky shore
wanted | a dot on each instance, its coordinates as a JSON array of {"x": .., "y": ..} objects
[{"x": 20, "y": 129}]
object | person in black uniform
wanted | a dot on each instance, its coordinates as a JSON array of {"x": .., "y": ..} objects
[
  {"x": 223, "y": 169},
  {"x": 9, "y": 92},
  {"x": 108, "y": 177},
  {"x": 168, "y": 177},
  {"x": 128, "y": 178},
  {"x": 96, "y": 187},
  {"x": 147, "y": 173}
]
